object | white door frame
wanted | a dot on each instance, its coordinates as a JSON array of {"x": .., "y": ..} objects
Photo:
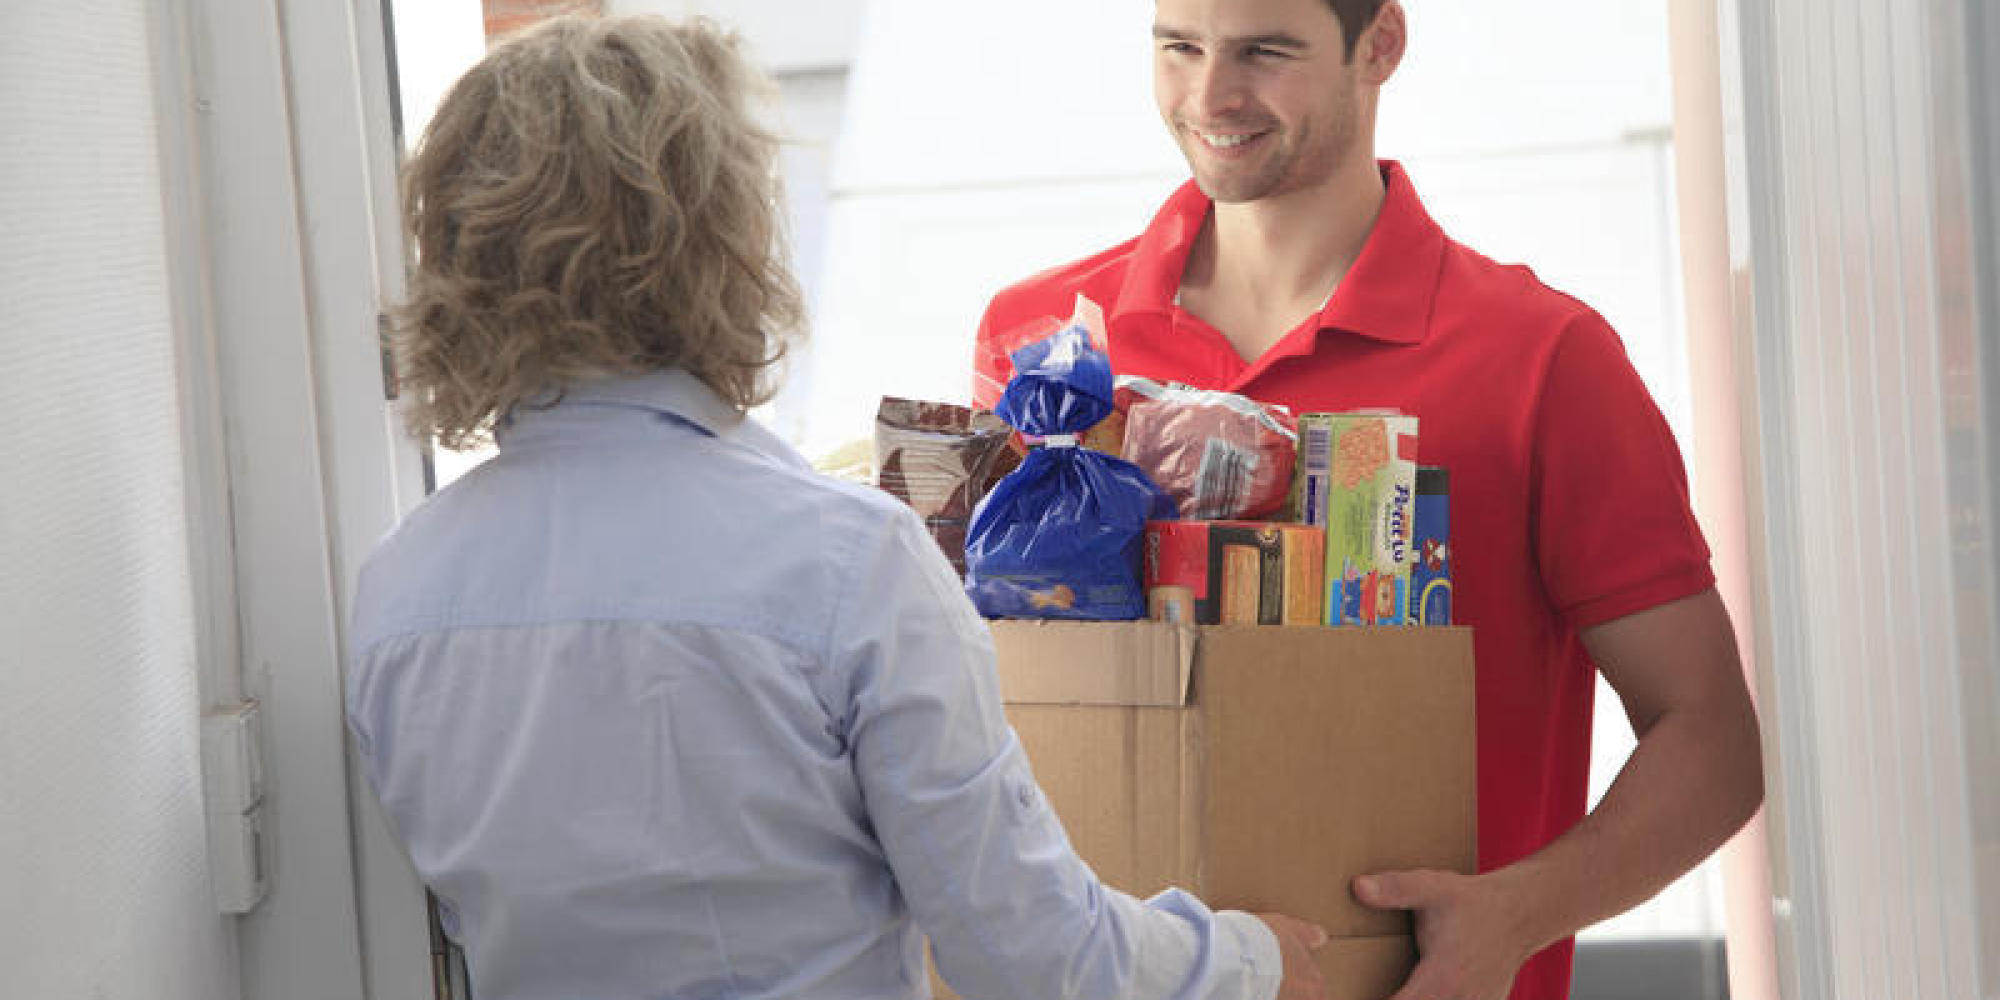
[{"x": 277, "y": 118}]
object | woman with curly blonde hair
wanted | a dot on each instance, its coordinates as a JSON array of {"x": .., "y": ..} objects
[
  {"x": 657, "y": 710},
  {"x": 594, "y": 198}
]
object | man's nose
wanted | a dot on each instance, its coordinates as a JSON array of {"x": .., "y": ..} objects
[{"x": 1218, "y": 87}]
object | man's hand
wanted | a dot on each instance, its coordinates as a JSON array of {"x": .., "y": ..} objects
[
  {"x": 1297, "y": 940},
  {"x": 1471, "y": 936}
]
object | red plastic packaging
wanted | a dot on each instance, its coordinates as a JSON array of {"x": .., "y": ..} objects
[{"x": 1221, "y": 456}]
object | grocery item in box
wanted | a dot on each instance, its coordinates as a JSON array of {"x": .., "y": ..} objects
[
  {"x": 1060, "y": 536},
  {"x": 1235, "y": 572},
  {"x": 1358, "y": 479},
  {"x": 1223, "y": 456},
  {"x": 941, "y": 459},
  {"x": 1430, "y": 568},
  {"x": 1249, "y": 591}
]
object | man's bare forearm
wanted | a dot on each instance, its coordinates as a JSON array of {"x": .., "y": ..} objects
[{"x": 1693, "y": 781}]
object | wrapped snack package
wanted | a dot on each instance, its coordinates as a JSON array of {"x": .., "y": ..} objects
[
  {"x": 1060, "y": 537},
  {"x": 941, "y": 459},
  {"x": 1220, "y": 455}
]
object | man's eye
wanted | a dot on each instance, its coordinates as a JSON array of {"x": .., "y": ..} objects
[
  {"x": 1261, "y": 52},
  {"x": 1178, "y": 48}
]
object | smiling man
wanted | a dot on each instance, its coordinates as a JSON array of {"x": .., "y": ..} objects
[{"x": 1296, "y": 268}]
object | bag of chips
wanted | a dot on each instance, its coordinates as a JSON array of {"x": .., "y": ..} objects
[
  {"x": 1061, "y": 536},
  {"x": 941, "y": 459}
]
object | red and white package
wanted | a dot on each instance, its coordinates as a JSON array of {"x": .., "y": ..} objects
[
  {"x": 1220, "y": 455},
  {"x": 993, "y": 356}
]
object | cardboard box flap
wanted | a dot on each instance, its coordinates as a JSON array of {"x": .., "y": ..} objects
[{"x": 1143, "y": 663}]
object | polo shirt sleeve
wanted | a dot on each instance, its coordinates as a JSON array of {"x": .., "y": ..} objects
[{"x": 1614, "y": 531}]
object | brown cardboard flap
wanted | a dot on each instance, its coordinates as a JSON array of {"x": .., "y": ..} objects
[{"x": 1135, "y": 663}]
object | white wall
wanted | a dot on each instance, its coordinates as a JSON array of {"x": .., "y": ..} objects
[
  {"x": 436, "y": 42},
  {"x": 784, "y": 37},
  {"x": 977, "y": 149},
  {"x": 103, "y": 859}
]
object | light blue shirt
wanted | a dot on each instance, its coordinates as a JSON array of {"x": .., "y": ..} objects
[{"x": 659, "y": 712}]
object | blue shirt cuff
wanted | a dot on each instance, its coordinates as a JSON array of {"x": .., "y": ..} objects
[{"x": 1263, "y": 963}]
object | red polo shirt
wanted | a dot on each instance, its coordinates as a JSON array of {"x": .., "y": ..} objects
[{"x": 1569, "y": 500}]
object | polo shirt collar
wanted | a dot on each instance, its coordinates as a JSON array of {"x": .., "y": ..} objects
[{"x": 1387, "y": 295}]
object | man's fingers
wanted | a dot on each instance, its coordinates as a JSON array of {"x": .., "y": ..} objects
[
  {"x": 1313, "y": 935},
  {"x": 1392, "y": 890}
]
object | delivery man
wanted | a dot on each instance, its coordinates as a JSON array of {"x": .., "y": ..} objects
[
  {"x": 657, "y": 710},
  {"x": 1295, "y": 268}
]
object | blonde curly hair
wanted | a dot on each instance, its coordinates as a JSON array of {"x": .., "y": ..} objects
[{"x": 594, "y": 198}]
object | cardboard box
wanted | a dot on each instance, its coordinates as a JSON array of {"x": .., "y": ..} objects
[{"x": 1259, "y": 768}]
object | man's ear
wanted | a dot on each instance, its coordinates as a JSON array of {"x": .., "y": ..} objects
[{"x": 1380, "y": 49}]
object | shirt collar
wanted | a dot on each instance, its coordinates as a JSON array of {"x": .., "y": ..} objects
[
  {"x": 1387, "y": 295},
  {"x": 672, "y": 391},
  {"x": 669, "y": 392}
]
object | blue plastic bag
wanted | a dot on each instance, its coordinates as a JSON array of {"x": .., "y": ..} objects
[{"x": 1060, "y": 536}]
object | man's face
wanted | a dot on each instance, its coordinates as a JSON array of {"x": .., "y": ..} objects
[{"x": 1259, "y": 94}]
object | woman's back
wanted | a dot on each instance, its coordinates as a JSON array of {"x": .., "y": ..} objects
[{"x": 593, "y": 681}]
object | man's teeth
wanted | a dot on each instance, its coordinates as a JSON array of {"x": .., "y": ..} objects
[{"x": 1226, "y": 141}]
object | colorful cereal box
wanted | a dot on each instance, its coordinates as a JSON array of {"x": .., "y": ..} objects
[{"x": 1358, "y": 475}]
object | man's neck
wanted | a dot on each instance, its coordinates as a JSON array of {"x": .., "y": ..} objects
[
  {"x": 1294, "y": 248},
  {"x": 1259, "y": 268}
]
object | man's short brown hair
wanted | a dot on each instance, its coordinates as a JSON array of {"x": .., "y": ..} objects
[{"x": 1354, "y": 15}]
